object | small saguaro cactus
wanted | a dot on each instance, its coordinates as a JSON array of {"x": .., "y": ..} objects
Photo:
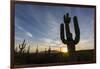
[
  {"x": 49, "y": 50},
  {"x": 37, "y": 50},
  {"x": 22, "y": 47},
  {"x": 45, "y": 50},
  {"x": 65, "y": 31}
]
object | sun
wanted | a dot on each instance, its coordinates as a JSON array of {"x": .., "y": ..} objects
[{"x": 64, "y": 50}]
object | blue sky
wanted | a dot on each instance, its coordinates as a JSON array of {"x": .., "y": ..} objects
[{"x": 40, "y": 25}]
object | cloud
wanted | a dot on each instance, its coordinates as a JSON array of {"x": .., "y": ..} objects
[
  {"x": 19, "y": 27},
  {"x": 29, "y": 34},
  {"x": 51, "y": 42},
  {"x": 17, "y": 38},
  {"x": 25, "y": 32},
  {"x": 46, "y": 40}
]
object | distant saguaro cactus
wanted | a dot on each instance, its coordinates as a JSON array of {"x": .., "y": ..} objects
[
  {"x": 45, "y": 51},
  {"x": 22, "y": 47},
  {"x": 37, "y": 50},
  {"x": 65, "y": 31},
  {"x": 49, "y": 50}
]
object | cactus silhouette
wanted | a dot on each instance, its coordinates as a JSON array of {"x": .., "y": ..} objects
[
  {"x": 65, "y": 31},
  {"x": 37, "y": 50},
  {"x": 49, "y": 50},
  {"x": 22, "y": 47},
  {"x": 45, "y": 51}
]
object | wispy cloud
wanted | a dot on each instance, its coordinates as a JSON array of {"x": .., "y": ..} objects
[
  {"x": 17, "y": 38},
  {"x": 24, "y": 32},
  {"x": 29, "y": 34}
]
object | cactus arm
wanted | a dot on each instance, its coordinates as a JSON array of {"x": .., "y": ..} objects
[
  {"x": 62, "y": 36},
  {"x": 23, "y": 44},
  {"x": 77, "y": 30}
]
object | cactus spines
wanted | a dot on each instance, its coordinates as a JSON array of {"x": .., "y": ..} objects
[
  {"x": 22, "y": 46},
  {"x": 65, "y": 30}
]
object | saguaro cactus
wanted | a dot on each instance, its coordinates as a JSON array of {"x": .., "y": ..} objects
[
  {"x": 37, "y": 50},
  {"x": 45, "y": 51},
  {"x": 49, "y": 50},
  {"x": 65, "y": 31},
  {"x": 22, "y": 47}
]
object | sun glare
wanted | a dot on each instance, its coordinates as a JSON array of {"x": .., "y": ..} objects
[{"x": 64, "y": 50}]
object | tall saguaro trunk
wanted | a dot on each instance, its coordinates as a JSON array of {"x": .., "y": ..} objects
[{"x": 65, "y": 31}]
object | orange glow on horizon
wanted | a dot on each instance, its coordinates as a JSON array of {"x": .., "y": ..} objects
[{"x": 64, "y": 50}]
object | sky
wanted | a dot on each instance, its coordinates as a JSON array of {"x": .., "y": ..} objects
[{"x": 39, "y": 25}]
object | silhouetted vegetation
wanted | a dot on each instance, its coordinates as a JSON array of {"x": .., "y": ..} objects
[{"x": 48, "y": 56}]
